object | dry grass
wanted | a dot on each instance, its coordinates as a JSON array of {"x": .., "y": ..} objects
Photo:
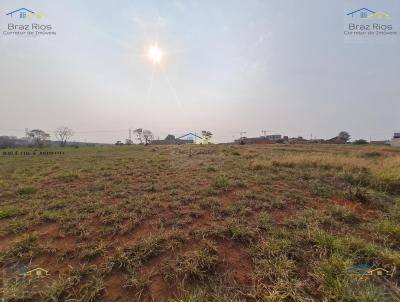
[{"x": 227, "y": 223}]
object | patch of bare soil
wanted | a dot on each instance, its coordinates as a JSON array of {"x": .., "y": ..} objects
[
  {"x": 279, "y": 216},
  {"x": 63, "y": 243},
  {"x": 6, "y": 242},
  {"x": 114, "y": 290},
  {"x": 229, "y": 197},
  {"x": 204, "y": 221},
  {"x": 363, "y": 210},
  {"x": 236, "y": 262},
  {"x": 47, "y": 230},
  {"x": 159, "y": 289},
  {"x": 141, "y": 232}
]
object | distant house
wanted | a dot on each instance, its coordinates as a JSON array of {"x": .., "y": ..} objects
[
  {"x": 188, "y": 138},
  {"x": 395, "y": 142},
  {"x": 267, "y": 139},
  {"x": 337, "y": 140},
  {"x": 22, "y": 13},
  {"x": 361, "y": 13},
  {"x": 298, "y": 140},
  {"x": 378, "y": 142},
  {"x": 169, "y": 140},
  {"x": 252, "y": 140},
  {"x": 317, "y": 141},
  {"x": 273, "y": 137}
]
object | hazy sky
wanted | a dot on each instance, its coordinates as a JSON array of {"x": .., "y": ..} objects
[{"x": 229, "y": 66}]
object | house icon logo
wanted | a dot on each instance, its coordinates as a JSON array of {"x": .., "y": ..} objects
[
  {"x": 365, "y": 13},
  {"x": 24, "y": 13},
  {"x": 379, "y": 15}
]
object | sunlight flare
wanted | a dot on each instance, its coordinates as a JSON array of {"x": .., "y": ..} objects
[{"x": 155, "y": 54}]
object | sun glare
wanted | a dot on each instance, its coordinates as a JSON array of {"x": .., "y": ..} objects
[{"x": 155, "y": 54}]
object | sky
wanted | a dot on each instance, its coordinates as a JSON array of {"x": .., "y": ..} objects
[{"x": 283, "y": 66}]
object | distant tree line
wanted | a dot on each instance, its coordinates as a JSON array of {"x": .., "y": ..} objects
[
  {"x": 37, "y": 138},
  {"x": 12, "y": 142}
]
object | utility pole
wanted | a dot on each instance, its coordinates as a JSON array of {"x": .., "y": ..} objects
[{"x": 130, "y": 134}]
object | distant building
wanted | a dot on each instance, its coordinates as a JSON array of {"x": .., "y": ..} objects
[
  {"x": 317, "y": 141},
  {"x": 298, "y": 140},
  {"x": 395, "y": 142},
  {"x": 273, "y": 137},
  {"x": 188, "y": 138},
  {"x": 378, "y": 142},
  {"x": 279, "y": 139},
  {"x": 252, "y": 140},
  {"x": 268, "y": 139},
  {"x": 169, "y": 140},
  {"x": 337, "y": 140}
]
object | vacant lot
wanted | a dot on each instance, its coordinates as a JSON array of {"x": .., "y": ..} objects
[{"x": 201, "y": 223}]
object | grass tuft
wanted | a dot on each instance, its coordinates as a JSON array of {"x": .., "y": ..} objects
[{"x": 26, "y": 190}]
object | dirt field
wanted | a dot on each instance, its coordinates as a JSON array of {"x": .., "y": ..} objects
[{"x": 201, "y": 223}]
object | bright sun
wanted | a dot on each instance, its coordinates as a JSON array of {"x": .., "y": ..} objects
[{"x": 155, "y": 54}]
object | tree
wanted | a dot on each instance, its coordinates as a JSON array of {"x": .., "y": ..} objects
[
  {"x": 207, "y": 136},
  {"x": 63, "y": 134},
  {"x": 170, "y": 137},
  {"x": 148, "y": 136},
  {"x": 138, "y": 133},
  {"x": 360, "y": 142},
  {"x": 38, "y": 137},
  {"x": 344, "y": 135},
  {"x": 144, "y": 136}
]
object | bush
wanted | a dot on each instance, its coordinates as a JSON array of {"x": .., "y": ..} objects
[
  {"x": 360, "y": 142},
  {"x": 26, "y": 190},
  {"x": 9, "y": 212},
  {"x": 240, "y": 232},
  {"x": 220, "y": 183},
  {"x": 211, "y": 169},
  {"x": 344, "y": 215}
]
